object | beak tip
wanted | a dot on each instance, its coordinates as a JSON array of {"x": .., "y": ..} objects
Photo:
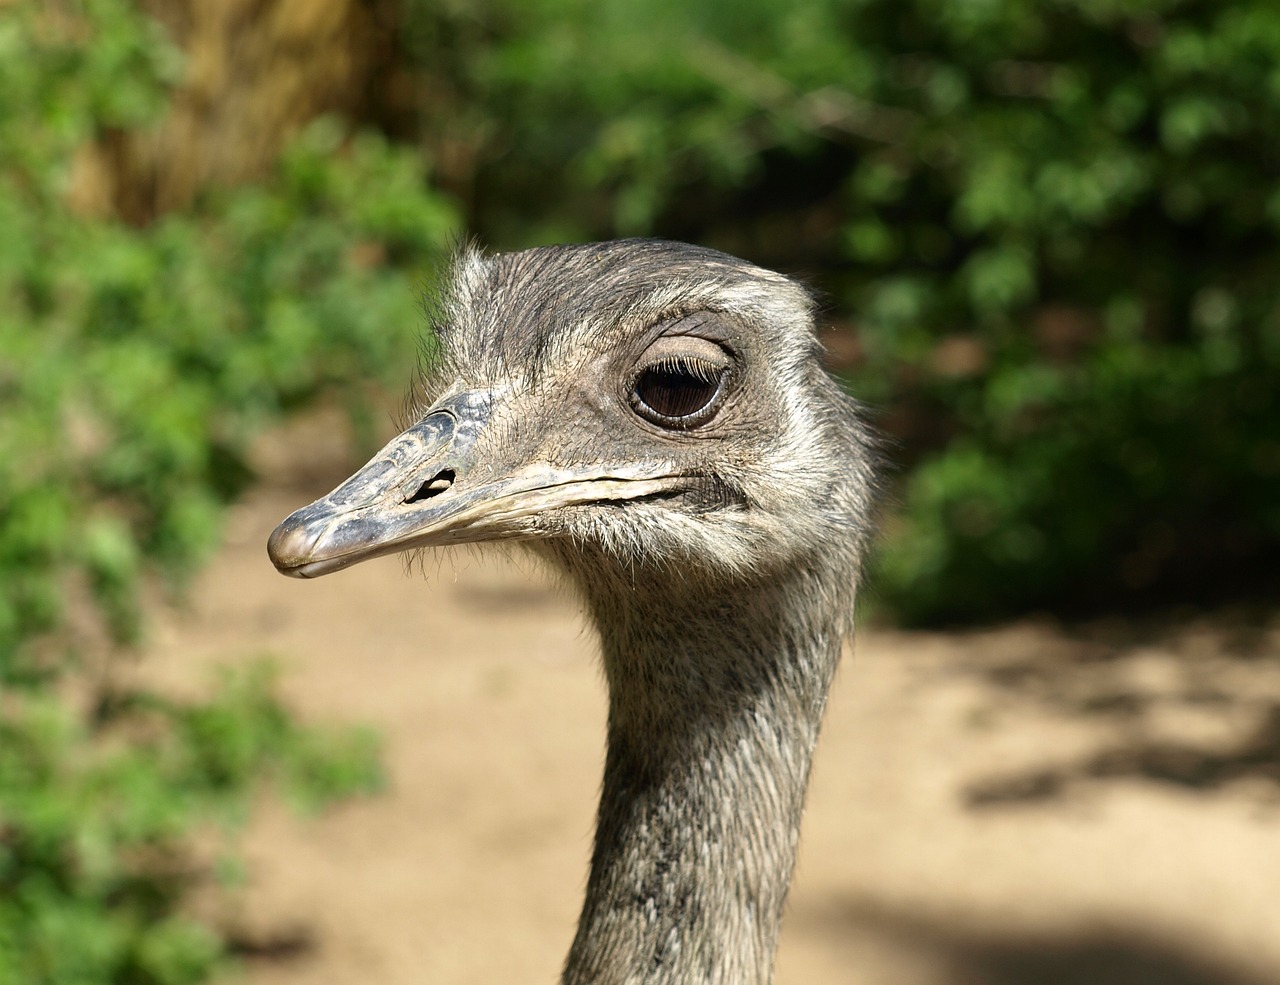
[{"x": 291, "y": 545}]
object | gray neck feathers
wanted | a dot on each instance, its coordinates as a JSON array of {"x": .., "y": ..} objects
[{"x": 715, "y": 701}]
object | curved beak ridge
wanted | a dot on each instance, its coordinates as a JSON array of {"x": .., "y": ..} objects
[{"x": 381, "y": 508}]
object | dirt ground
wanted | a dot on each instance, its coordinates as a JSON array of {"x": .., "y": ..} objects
[{"x": 1088, "y": 805}]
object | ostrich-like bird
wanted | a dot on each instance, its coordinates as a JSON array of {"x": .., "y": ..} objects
[{"x": 652, "y": 419}]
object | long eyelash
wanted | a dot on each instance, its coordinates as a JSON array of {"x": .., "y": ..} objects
[{"x": 700, "y": 369}]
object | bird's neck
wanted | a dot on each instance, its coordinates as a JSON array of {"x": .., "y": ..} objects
[{"x": 714, "y": 709}]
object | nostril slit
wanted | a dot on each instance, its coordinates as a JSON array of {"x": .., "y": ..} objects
[{"x": 434, "y": 486}]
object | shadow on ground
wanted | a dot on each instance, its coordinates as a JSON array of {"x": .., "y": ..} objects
[
  {"x": 1256, "y": 756},
  {"x": 281, "y": 944},
  {"x": 970, "y": 956},
  {"x": 1182, "y": 703}
]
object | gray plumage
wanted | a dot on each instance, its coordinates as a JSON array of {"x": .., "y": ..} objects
[{"x": 653, "y": 419}]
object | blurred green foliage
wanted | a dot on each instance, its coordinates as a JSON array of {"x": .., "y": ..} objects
[
  {"x": 1052, "y": 227},
  {"x": 136, "y": 364},
  {"x": 98, "y": 813},
  {"x": 135, "y": 367}
]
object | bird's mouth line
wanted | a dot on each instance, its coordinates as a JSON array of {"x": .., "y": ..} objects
[{"x": 430, "y": 518}]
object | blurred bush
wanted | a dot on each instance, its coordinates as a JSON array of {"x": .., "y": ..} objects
[
  {"x": 139, "y": 362},
  {"x": 1044, "y": 232},
  {"x": 97, "y": 869},
  {"x": 1052, "y": 229},
  {"x": 136, "y": 364}
]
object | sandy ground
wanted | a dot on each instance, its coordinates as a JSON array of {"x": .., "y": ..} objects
[{"x": 1093, "y": 804}]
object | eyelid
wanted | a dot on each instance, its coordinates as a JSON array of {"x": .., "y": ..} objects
[{"x": 685, "y": 350}]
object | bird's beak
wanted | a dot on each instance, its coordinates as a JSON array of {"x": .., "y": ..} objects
[{"x": 432, "y": 485}]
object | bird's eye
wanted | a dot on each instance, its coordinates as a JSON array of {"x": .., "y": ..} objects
[{"x": 678, "y": 389}]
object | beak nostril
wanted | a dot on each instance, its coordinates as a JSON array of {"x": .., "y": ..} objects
[{"x": 434, "y": 486}]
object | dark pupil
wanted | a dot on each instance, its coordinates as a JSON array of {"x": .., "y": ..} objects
[{"x": 678, "y": 389}]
